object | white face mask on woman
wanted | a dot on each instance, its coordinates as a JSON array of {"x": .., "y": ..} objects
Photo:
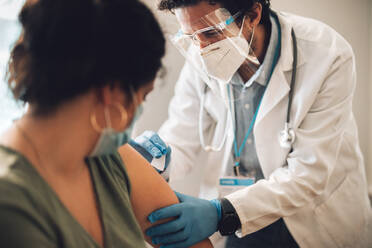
[{"x": 223, "y": 58}]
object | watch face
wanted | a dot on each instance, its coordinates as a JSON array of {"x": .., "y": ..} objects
[{"x": 229, "y": 224}]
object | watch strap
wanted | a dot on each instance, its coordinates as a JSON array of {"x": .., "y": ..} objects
[
  {"x": 230, "y": 221},
  {"x": 226, "y": 206}
]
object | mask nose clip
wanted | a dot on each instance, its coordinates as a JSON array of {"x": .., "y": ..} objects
[{"x": 205, "y": 53}]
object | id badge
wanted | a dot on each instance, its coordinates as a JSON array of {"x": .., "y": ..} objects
[{"x": 228, "y": 185}]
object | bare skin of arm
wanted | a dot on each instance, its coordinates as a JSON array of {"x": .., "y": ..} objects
[{"x": 149, "y": 191}]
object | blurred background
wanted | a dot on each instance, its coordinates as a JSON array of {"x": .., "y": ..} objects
[
  {"x": 351, "y": 18},
  {"x": 9, "y": 31}
]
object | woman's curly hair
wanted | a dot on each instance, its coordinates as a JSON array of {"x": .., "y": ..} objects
[{"x": 68, "y": 47}]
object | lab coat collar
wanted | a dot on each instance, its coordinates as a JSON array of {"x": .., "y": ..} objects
[
  {"x": 285, "y": 62},
  {"x": 279, "y": 85}
]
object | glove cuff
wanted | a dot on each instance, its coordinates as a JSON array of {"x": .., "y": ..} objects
[{"x": 217, "y": 205}]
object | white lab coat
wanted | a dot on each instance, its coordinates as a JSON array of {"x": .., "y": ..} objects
[{"x": 320, "y": 187}]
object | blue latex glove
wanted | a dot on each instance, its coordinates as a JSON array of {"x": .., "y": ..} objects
[
  {"x": 196, "y": 220},
  {"x": 151, "y": 146}
]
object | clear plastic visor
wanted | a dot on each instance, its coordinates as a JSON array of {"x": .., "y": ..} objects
[{"x": 219, "y": 50}]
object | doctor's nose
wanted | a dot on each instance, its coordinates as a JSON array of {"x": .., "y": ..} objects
[
  {"x": 201, "y": 41},
  {"x": 203, "y": 45}
]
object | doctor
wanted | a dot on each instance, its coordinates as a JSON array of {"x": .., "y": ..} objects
[{"x": 266, "y": 97}]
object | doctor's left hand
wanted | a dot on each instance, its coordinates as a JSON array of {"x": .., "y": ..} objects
[
  {"x": 196, "y": 220},
  {"x": 151, "y": 146}
]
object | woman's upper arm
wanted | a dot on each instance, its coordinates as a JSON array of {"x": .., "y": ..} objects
[{"x": 149, "y": 191}]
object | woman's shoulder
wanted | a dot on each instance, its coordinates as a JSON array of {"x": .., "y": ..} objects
[
  {"x": 20, "y": 186},
  {"x": 113, "y": 168},
  {"x": 11, "y": 176},
  {"x": 21, "y": 206}
]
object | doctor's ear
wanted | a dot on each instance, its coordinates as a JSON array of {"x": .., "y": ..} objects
[{"x": 253, "y": 17}]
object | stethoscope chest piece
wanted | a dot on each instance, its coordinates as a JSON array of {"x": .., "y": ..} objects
[{"x": 287, "y": 137}]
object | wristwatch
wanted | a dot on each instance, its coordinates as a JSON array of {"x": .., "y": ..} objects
[{"x": 230, "y": 221}]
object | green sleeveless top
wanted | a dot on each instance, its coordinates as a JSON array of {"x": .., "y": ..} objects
[{"x": 31, "y": 214}]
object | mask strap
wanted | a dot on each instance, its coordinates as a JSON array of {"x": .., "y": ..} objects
[
  {"x": 135, "y": 100},
  {"x": 107, "y": 117},
  {"x": 241, "y": 29},
  {"x": 250, "y": 43}
]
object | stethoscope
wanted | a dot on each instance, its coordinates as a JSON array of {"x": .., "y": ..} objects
[{"x": 287, "y": 136}]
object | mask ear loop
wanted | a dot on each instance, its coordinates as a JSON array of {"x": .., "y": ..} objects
[
  {"x": 135, "y": 100},
  {"x": 252, "y": 56},
  {"x": 107, "y": 117},
  {"x": 240, "y": 35},
  {"x": 251, "y": 41},
  {"x": 241, "y": 32},
  {"x": 241, "y": 29}
]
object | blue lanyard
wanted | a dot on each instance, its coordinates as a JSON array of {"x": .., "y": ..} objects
[{"x": 239, "y": 152}]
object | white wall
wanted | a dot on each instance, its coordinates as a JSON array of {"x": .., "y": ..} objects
[
  {"x": 352, "y": 19},
  {"x": 9, "y": 31}
]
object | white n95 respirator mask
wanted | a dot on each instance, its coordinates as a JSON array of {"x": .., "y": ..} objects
[
  {"x": 218, "y": 48},
  {"x": 223, "y": 58}
]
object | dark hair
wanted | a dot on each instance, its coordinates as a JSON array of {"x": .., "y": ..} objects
[
  {"x": 71, "y": 46},
  {"x": 233, "y": 6}
]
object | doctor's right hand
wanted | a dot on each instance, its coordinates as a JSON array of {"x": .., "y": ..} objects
[{"x": 151, "y": 147}]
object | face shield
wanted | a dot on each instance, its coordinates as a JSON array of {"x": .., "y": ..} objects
[{"x": 218, "y": 48}]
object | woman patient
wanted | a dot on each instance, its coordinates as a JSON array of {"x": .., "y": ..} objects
[{"x": 84, "y": 67}]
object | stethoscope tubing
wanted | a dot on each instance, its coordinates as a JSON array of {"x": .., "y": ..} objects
[
  {"x": 201, "y": 134},
  {"x": 294, "y": 75}
]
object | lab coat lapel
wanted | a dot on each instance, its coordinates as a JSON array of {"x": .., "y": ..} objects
[
  {"x": 272, "y": 114},
  {"x": 279, "y": 85},
  {"x": 277, "y": 89}
]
